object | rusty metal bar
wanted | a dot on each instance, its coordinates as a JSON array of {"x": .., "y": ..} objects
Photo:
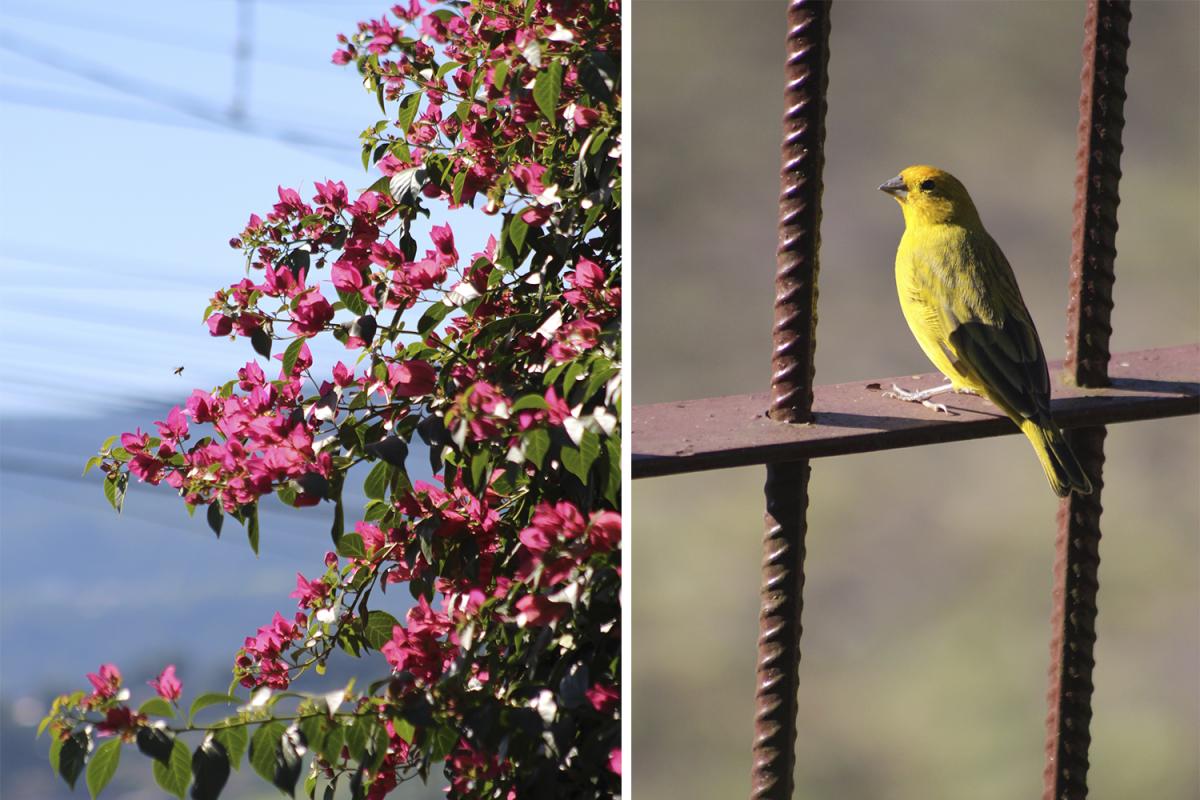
[
  {"x": 794, "y": 337},
  {"x": 721, "y": 432},
  {"x": 1093, "y": 253}
]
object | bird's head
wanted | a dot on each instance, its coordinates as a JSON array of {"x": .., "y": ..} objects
[{"x": 931, "y": 196}]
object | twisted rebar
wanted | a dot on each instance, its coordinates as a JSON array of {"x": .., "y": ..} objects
[
  {"x": 791, "y": 397},
  {"x": 1089, "y": 310}
]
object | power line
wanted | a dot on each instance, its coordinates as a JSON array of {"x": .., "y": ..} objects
[{"x": 181, "y": 102}]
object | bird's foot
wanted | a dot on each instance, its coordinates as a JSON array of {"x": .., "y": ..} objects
[{"x": 922, "y": 397}]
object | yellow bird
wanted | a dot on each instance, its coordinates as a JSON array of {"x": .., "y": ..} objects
[{"x": 961, "y": 301}]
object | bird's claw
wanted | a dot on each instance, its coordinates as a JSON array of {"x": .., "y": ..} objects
[
  {"x": 921, "y": 397},
  {"x": 902, "y": 394},
  {"x": 938, "y": 407}
]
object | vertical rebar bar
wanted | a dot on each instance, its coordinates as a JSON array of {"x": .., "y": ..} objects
[
  {"x": 794, "y": 330},
  {"x": 1093, "y": 253}
]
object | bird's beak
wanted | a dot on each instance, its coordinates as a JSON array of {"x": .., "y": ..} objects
[{"x": 895, "y": 187}]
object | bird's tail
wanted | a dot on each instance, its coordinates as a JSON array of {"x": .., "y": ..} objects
[{"x": 1062, "y": 468}]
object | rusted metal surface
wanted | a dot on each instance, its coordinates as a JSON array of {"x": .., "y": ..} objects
[
  {"x": 1073, "y": 622},
  {"x": 796, "y": 264},
  {"x": 1089, "y": 310},
  {"x": 779, "y": 629},
  {"x": 715, "y": 433},
  {"x": 1098, "y": 165},
  {"x": 794, "y": 337}
]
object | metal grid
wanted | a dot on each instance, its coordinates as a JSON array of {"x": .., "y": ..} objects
[{"x": 796, "y": 423}]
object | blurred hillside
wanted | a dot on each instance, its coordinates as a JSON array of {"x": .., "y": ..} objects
[{"x": 926, "y": 608}]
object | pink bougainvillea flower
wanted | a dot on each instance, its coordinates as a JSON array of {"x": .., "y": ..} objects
[
  {"x": 411, "y": 378},
  {"x": 167, "y": 685},
  {"x": 603, "y": 697},
  {"x": 135, "y": 442},
  {"x": 202, "y": 407},
  {"x": 309, "y": 593},
  {"x": 528, "y": 178},
  {"x": 251, "y": 376},
  {"x": 587, "y": 275},
  {"x": 443, "y": 240},
  {"x": 614, "y": 761},
  {"x": 537, "y": 610},
  {"x": 106, "y": 683},
  {"x": 573, "y": 339},
  {"x": 220, "y": 325},
  {"x": 175, "y": 428},
  {"x": 389, "y": 165},
  {"x": 120, "y": 721},
  {"x": 585, "y": 117},
  {"x": 311, "y": 314},
  {"x": 536, "y": 215},
  {"x": 425, "y": 274},
  {"x": 604, "y": 530},
  {"x": 331, "y": 196}
]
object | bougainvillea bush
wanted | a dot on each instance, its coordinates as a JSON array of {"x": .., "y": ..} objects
[{"x": 504, "y": 648}]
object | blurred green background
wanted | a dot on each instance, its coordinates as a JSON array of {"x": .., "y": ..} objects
[{"x": 926, "y": 609}]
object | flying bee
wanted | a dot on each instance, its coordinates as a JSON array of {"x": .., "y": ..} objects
[{"x": 179, "y": 370}]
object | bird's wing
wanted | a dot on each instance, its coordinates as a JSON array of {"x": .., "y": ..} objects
[{"x": 993, "y": 335}]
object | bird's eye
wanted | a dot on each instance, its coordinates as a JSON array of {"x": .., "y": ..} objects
[{"x": 927, "y": 185}]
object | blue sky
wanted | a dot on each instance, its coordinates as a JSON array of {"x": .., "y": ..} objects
[
  {"x": 124, "y": 175},
  {"x": 126, "y": 171}
]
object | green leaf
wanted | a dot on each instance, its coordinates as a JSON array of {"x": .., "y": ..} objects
[
  {"x": 612, "y": 488},
  {"x": 589, "y": 450},
  {"x": 155, "y": 742},
  {"x": 351, "y": 546},
  {"x": 529, "y": 401},
  {"x": 517, "y": 231},
  {"x": 261, "y": 341},
  {"x": 291, "y": 354},
  {"x": 103, "y": 765},
  {"x": 252, "y": 527},
  {"x": 235, "y": 739},
  {"x": 407, "y": 182},
  {"x": 408, "y": 111},
  {"x": 92, "y": 462},
  {"x": 377, "y": 480},
  {"x": 460, "y": 180},
  {"x": 500, "y": 74},
  {"x": 404, "y": 729},
  {"x": 287, "y": 763},
  {"x": 338, "y": 529},
  {"x": 216, "y": 518},
  {"x": 156, "y": 706},
  {"x": 210, "y": 767},
  {"x": 479, "y": 470},
  {"x": 354, "y": 302},
  {"x": 68, "y": 758},
  {"x": 536, "y": 443},
  {"x": 379, "y": 95},
  {"x": 442, "y": 741},
  {"x": 264, "y": 747},
  {"x": 209, "y": 699},
  {"x": 546, "y": 89},
  {"x": 379, "y": 627},
  {"x": 114, "y": 490},
  {"x": 174, "y": 775},
  {"x": 432, "y": 316},
  {"x": 598, "y": 75}
]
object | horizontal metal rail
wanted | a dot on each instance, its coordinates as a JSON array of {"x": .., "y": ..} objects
[{"x": 721, "y": 432}]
